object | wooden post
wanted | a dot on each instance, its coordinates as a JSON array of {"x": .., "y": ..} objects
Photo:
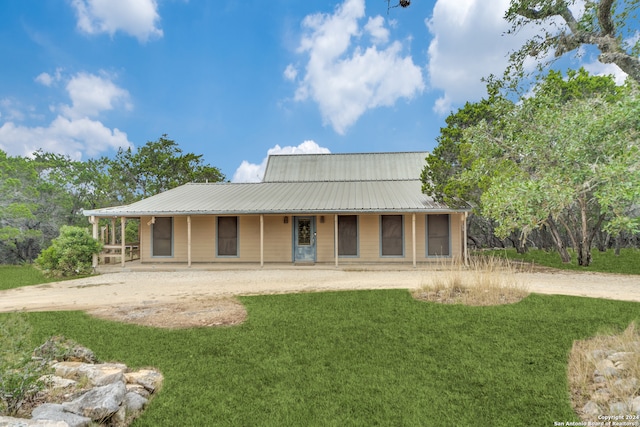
[
  {"x": 123, "y": 223},
  {"x": 413, "y": 238},
  {"x": 261, "y": 240},
  {"x": 94, "y": 223},
  {"x": 189, "y": 240},
  {"x": 113, "y": 231},
  {"x": 335, "y": 237}
]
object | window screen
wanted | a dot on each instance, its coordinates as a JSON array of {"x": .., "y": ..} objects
[
  {"x": 162, "y": 237},
  {"x": 227, "y": 236},
  {"x": 347, "y": 235},
  {"x": 438, "y": 235},
  {"x": 391, "y": 235}
]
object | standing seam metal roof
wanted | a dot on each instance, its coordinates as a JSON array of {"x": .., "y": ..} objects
[{"x": 288, "y": 188}]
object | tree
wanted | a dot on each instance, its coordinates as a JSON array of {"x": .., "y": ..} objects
[
  {"x": 561, "y": 161},
  {"x": 156, "y": 167},
  {"x": 604, "y": 24}
]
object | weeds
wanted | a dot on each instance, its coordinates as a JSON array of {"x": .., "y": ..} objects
[
  {"x": 19, "y": 373},
  {"x": 485, "y": 281}
]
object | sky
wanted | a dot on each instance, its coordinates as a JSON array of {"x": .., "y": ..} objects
[{"x": 236, "y": 81}]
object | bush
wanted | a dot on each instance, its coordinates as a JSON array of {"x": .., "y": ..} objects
[{"x": 70, "y": 254}]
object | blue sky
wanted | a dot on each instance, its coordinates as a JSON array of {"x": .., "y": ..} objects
[{"x": 235, "y": 81}]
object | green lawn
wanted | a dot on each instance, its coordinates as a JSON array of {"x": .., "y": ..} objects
[
  {"x": 606, "y": 262},
  {"x": 358, "y": 358},
  {"x": 14, "y": 276}
]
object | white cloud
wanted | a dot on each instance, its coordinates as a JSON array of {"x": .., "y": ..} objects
[
  {"x": 290, "y": 73},
  {"x": 91, "y": 94},
  {"x": 74, "y": 131},
  {"x": 251, "y": 172},
  {"x": 345, "y": 76},
  {"x": 597, "y": 68},
  {"x": 138, "y": 18}
]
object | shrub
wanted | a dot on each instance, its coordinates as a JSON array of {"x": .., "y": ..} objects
[{"x": 70, "y": 253}]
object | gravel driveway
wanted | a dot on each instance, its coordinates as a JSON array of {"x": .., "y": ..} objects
[{"x": 130, "y": 288}]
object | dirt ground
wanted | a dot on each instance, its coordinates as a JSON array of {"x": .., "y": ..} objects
[{"x": 187, "y": 298}]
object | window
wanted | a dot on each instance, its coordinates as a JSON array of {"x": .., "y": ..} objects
[
  {"x": 391, "y": 235},
  {"x": 347, "y": 235},
  {"x": 162, "y": 240},
  {"x": 438, "y": 235},
  {"x": 227, "y": 236}
]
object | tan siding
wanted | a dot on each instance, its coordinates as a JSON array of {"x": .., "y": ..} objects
[
  {"x": 277, "y": 238},
  {"x": 203, "y": 244}
]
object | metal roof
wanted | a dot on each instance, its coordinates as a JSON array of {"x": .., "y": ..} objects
[
  {"x": 345, "y": 167},
  {"x": 308, "y": 183},
  {"x": 283, "y": 198}
]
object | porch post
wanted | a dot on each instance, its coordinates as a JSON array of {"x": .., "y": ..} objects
[
  {"x": 189, "y": 240},
  {"x": 94, "y": 222},
  {"x": 113, "y": 231},
  {"x": 464, "y": 233},
  {"x": 261, "y": 240},
  {"x": 123, "y": 223},
  {"x": 413, "y": 237},
  {"x": 335, "y": 237}
]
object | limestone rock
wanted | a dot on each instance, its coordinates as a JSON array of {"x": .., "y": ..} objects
[
  {"x": 618, "y": 408},
  {"x": 21, "y": 422},
  {"x": 55, "y": 412},
  {"x": 98, "y": 403},
  {"x": 148, "y": 378},
  {"x": 63, "y": 349},
  {"x": 98, "y": 375},
  {"x": 591, "y": 408},
  {"x": 54, "y": 382},
  {"x": 134, "y": 402}
]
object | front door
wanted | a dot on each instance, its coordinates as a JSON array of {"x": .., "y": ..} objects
[{"x": 304, "y": 239}]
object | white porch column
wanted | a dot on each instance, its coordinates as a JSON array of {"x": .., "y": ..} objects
[
  {"x": 123, "y": 223},
  {"x": 413, "y": 237},
  {"x": 335, "y": 237},
  {"x": 261, "y": 240},
  {"x": 464, "y": 244},
  {"x": 189, "y": 240},
  {"x": 94, "y": 222}
]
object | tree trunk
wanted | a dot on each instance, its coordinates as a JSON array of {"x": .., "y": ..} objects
[{"x": 557, "y": 239}]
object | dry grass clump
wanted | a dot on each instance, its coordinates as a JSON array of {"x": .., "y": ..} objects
[
  {"x": 485, "y": 281},
  {"x": 605, "y": 369}
]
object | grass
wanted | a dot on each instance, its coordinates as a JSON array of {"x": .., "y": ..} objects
[
  {"x": 605, "y": 262},
  {"x": 358, "y": 358},
  {"x": 15, "y": 276}
]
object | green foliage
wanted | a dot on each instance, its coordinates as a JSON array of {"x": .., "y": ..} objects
[
  {"x": 568, "y": 154},
  {"x": 606, "y": 24},
  {"x": 19, "y": 374},
  {"x": 70, "y": 254},
  {"x": 440, "y": 176},
  {"x": 359, "y": 358},
  {"x": 156, "y": 167}
]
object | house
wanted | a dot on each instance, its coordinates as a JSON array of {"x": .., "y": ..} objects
[{"x": 313, "y": 208}]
